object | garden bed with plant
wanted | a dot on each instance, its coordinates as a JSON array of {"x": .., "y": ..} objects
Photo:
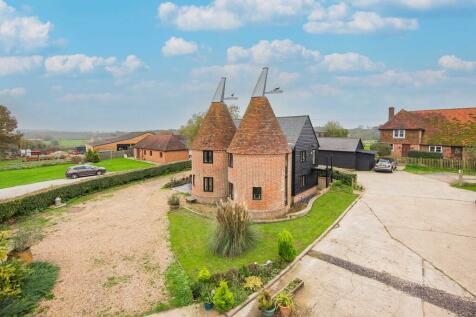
[{"x": 238, "y": 258}]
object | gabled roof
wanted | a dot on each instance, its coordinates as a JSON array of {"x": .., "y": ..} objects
[
  {"x": 125, "y": 136},
  {"x": 259, "y": 131},
  {"x": 339, "y": 144},
  {"x": 162, "y": 142},
  {"x": 441, "y": 126},
  {"x": 291, "y": 127}
]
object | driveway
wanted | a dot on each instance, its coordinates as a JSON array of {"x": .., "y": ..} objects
[
  {"x": 16, "y": 191},
  {"x": 406, "y": 248}
]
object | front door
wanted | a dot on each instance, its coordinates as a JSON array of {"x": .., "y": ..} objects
[
  {"x": 457, "y": 152},
  {"x": 405, "y": 149}
]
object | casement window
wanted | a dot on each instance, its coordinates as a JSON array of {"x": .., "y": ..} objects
[
  {"x": 257, "y": 193},
  {"x": 160, "y": 154},
  {"x": 302, "y": 181},
  {"x": 145, "y": 152},
  {"x": 150, "y": 153},
  {"x": 208, "y": 184},
  {"x": 435, "y": 148},
  {"x": 208, "y": 157},
  {"x": 314, "y": 157},
  {"x": 193, "y": 179},
  {"x": 230, "y": 190},
  {"x": 399, "y": 134},
  {"x": 230, "y": 160},
  {"x": 302, "y": 155}
]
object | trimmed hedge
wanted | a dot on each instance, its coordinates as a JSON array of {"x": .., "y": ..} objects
[
  {"x": 346, "y": 178},
  {"x": 36, "y": 202},
  {"x": 422, "y": 154}
]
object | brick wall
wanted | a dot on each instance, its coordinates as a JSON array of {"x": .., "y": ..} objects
[
  {"x": 411, "y": 137},
  {"x": 218, "y": 170},
  {"x": 307, "y": 194},
  {"x": 267, "y": 172},
  {"x": 159, "y": 156}
]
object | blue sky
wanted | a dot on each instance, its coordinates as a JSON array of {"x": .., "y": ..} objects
[{"x": 135, "y": 65}]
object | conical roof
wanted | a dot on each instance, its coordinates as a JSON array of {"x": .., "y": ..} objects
[
  {"x": 259, "y": 131},
  {"x": 217, "y": 128}
]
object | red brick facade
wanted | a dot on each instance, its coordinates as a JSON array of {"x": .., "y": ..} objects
[{"x": 218, "y": 170}]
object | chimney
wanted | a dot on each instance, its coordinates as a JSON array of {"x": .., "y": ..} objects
[{"x": 391, "y": 113}]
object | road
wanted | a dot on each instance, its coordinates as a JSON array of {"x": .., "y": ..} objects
[
  {"x": 406, "y": 248},
  {"x": 12, "y": 192}
]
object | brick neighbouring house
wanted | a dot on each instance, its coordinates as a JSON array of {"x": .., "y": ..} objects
[
  {"x": 264, "y": 164},
  {"x": 161, "y": 148},
  {"x": 448, "y": 131}
]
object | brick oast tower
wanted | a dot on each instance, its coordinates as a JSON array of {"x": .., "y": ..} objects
[
  {"x": 259, "y": 172},
  {"x": 209, "y": 157}
]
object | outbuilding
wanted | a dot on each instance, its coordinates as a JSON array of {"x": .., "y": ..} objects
[
  {"x": 345, "y": 153},
  {"x": 121, "y": 143},
  {"x": 161, "y": 148}
]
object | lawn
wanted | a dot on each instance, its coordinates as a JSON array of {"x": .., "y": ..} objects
[
  {"x": 68, "y": 143},
  {"x": 190, "y": 234},
  {"x": 418, "y": 169},
  {"x": 466, "y": 186},
  {"x": 11, "y": 178}
]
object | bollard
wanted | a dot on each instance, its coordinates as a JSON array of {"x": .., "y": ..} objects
[
  {"x": 57, "y": 201},
  {"x": 460, "y": 177}
]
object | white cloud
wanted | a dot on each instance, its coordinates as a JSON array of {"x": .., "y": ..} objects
[
  {"x": 266, "y": 51},
  {"x": 349, "y": 62},
  {"x": 18, "y": 64},
  {"x": 12, "y": 92},
  {"x": 324, "y": 90},
  {"x": 453, "y": 62},
  {"x": 76, "y": 63},
  {"x": 228, "y": 14},
  {"x": 413, "y": 4},
  {"x": 99, "y": 97},
  {"x": 130, "y": 65},
  {"x": 177, "y": 46},
  {"x": 395, "y": 78},
  {"x": 359, "y": 22},
  {"x": 19, "y": 32}
]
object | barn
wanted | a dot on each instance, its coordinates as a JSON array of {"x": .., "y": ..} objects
[
  {"x": 121, "y": 143},
  {"x": 345, "y": 153}
]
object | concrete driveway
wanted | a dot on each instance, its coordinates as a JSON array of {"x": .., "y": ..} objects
[{"x": 407, "y": 248}]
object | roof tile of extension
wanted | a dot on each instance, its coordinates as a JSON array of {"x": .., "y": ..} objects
[
  {"x": 162, "y": 142},
  {"x": 441, "y": 126}
]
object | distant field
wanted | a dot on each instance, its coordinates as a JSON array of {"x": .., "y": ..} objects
[
  {"x": 69, "y": 143},
  {"x": 8, "y": 163},
  {"x": 12, "y": 178}
]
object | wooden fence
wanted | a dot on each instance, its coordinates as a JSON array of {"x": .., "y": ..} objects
[
  {"x": 439, "y": 163},
  {"x": 107, "y": 155}
]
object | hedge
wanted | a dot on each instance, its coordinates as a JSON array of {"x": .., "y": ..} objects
[
  {"x": 36, "y": 202},
  {"x": 422, "y": 154},
  {"x": 346, "y": 177}
]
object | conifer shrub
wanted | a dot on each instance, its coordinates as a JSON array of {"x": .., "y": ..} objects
[
  {"x": 223, "y": 299},
  {"x": 286, "y": 249}
]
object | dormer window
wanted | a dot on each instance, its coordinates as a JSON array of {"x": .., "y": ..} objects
[
  {"x": 208, "y": 157},
  {"x": 399, "y": 134}
]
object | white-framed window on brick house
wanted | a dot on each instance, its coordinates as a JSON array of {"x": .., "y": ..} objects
[
  {"x": 302, "y": 155},
  {"x": 399, "y": 134},
  {"x": 208, "y": 184},
  {"x": 314, "y": 157},
  {"x": 302, "y": 181},
  {"x": 257, "y": 195},
  {"x": 208, "y": 157},
  {"x": 435, "y": 148}
]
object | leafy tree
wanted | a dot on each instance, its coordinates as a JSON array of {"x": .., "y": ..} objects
[
  {"x": 335, "y": 129},
  {"x": 190, "y": 129},
  {"x": 234, "y": 111},
  {"x": 9, "y": 137},
  {"x": 54, "y": 143},
  {"x": 92, "y": 156},
  {"x": 382, "y": 149}
]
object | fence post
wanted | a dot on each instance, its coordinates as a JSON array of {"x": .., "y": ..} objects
[{"x": 460, "y": 177}]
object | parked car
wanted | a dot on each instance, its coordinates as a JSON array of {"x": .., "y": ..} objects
[
  {"x": 84, "y": 170},
  {"x": 385, "y": 164}
]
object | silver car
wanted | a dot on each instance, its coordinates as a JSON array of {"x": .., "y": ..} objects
[{"x": 385, "y": 165}]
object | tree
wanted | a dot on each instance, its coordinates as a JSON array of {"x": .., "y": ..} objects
[
  {"x": 9, "y": 137},
  {"x": 190, "y": 129},
  {"x": 335, "y": 129},
  {"x": 234, "y": 111},
  {"x": 382, "y": 149}
]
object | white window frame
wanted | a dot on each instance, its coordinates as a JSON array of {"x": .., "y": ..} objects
[
  {"x": 435, "y": 148},
  {"x": 399, "y": 134}
]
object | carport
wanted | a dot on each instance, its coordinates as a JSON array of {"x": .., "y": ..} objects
[{"x": 345, "y": 153}]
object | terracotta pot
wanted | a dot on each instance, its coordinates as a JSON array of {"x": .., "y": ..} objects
[
  {"x": 285, "y": 311},
  {"x": 25, "y": 256}
]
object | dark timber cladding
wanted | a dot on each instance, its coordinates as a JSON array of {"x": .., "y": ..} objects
[{"x": 345, "y": 153}]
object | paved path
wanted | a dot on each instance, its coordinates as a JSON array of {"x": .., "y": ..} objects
[{"x": 407, "y": 248}]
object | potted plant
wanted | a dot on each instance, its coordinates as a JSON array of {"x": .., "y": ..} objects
[
  {"x": 174, "y": 201},
  {"x": 206, "y": 295},
  {"x": 285, "y": 302},
  {"x": 265, "y": 304},
  {"x": 21, "y": 244}
]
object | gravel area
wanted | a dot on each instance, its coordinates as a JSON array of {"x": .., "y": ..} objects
[
  {"x": 112, "y": 252},
  {"x": 456, "y": 304}
]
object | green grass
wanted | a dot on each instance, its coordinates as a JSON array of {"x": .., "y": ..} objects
[
  {"x": 7, "y": 163},
  {"x": 178, "y": 285},
  {"x": 68, "y": 143},
  {"x": 38, "y": 285},
  {"x": 418, "y": 169},
  {"x": 190, "y": 234},
  {"x": 466, "y": 186},
  {"x": 11, "y": 178}
]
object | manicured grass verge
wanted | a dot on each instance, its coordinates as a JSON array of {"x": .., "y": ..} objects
[
  {"x": 466, "y": 186},
  {"x": 190, "y": 234},
  {"x": 38, "y": 284},
  {"x": 418, "y": 169},
  {"x": 10, "y": 178}
]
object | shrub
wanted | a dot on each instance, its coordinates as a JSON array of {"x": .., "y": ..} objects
[
  {"x": 36, "y": 202},
  {"x": 174, "y": 200},
  {"x": 423, "y": 154},
  {"x": 286, "y": 248},
  {"x": 174, "y": 182},
  {"x": 178, "y": 285},
  {"x": 223, "y": 299},
  {"x": 92, "y": 156},
  {"x": 204, "y": 275},
  {"x": 347, "y": 178},
  {"x": 12, "y": 275},
  {"x": 382, "y": 149},
  {"x": 265, "y": 301},
  {"x": 4, "y": 245},
  {"x": 233, "y": 235},
  {"x": 253, "y": 283},
  {"x": 77, "y": 159},
  {"x": 25, "y": 238}
]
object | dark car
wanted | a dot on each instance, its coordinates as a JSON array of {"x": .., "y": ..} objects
[
  {"x": 84, "y": 170},
  {"x": 385, "y": 164}
]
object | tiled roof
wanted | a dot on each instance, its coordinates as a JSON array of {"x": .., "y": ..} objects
[
  {"x": 217, "y": 129},
  {"x": 339, "y": 144},
  {"x": 441, "y": 126},
  {"x": 162, "y": 142},
  {"x": 125, "y": 136},
  {"x": 259, "y": 131}
]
